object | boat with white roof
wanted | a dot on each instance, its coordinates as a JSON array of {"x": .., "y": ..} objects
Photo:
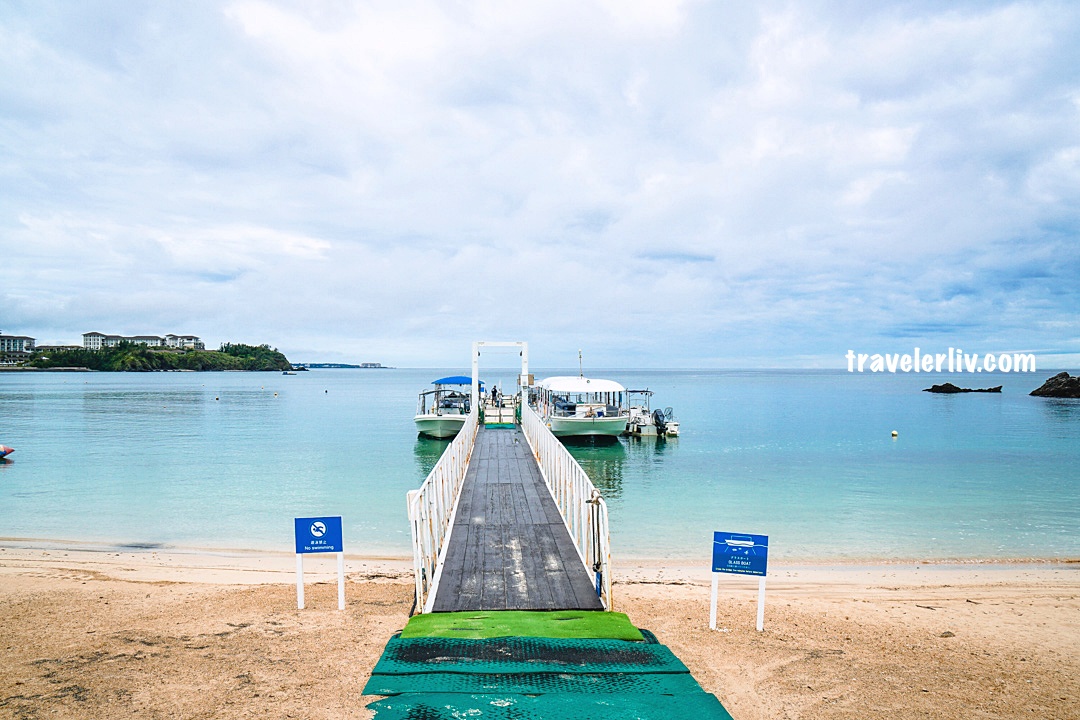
[{"x": 582, "y": 407}]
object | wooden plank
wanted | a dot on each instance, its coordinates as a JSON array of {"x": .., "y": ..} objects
[
  {"x": 554, "y": 570},
  {"x": 516, "y": 579},
  {"x": 542, "y": 590},
  {"x": 471, "y": 583},
  {"x": 493, "y": 584}
]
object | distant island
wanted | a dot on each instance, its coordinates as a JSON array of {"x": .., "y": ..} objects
[
  {"x": 137, "y": 357},
  {"x": 361, "y": 366}
]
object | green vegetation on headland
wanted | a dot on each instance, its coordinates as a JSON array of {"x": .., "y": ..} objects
[{"x": 134, "y": 357}]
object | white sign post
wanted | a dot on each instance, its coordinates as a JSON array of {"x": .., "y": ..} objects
[
  {"x": 319, "y": 535},
  {"x": 739, "y": 554}
]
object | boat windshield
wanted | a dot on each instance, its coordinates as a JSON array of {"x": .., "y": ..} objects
[
  {"x": 443, "y": 402},
  {"x": 585, "y": 404}
]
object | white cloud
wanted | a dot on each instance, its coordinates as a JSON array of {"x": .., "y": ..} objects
[{"x": 681, "y": 177}]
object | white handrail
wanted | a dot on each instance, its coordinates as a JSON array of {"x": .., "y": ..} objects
[
  {"x": 431, "y": 512},
  {"x": 583, "y": 509}
]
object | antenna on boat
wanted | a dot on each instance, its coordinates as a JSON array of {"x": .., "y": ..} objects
[{"x": 580, "y": 371}]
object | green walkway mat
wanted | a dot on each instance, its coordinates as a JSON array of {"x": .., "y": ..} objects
[
  {"x": 523, "y": 623},
  {"x": 534, "y": 683},
  {"x": 524, "y": 655},
  {"x": 565, "y": 706}
]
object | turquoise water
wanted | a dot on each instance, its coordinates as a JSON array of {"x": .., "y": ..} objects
[{"x": 226, "y": 460}]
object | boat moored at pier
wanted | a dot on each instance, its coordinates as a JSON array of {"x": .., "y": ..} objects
[
  {"x": 441, "y": 413},
  {"x": 644, "y": 422},
  {"x": 581, "y": 406}
]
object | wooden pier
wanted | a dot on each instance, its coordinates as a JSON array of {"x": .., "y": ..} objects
[
  {"x": 513, "y": 586},
  {"x": 509, "y": 548}
]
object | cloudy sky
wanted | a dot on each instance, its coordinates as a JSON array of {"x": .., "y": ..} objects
[{"x": 661, "y": 184}]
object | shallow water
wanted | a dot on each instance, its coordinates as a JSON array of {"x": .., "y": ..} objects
[{"x": 226, "y": 460}]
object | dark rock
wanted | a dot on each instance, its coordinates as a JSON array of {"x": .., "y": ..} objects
[
  {"x": 1059, "y": 386},
  {"x": 946, "y": 388},
  {"x": 950, "y": 388}
]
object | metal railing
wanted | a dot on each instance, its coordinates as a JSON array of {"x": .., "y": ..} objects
[
  {"x": 583, "y": 509},
  {"x": 431, "y": 512}
]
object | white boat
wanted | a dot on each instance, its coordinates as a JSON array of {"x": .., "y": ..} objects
[
  {"x": 581, "y": 406},
  {"x": 643, "y": 422},
  {"x": 441, "y": 413}
]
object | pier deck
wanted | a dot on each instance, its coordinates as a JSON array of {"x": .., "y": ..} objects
[{"x": 509, "y": 548}]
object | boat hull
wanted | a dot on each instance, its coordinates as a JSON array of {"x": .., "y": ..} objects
[
  {"x": 5, "y": 451},
  {"x": 612, "y": 426},
  {"x": 646, "y": 428},
  {"x": 439, "y": 426}
]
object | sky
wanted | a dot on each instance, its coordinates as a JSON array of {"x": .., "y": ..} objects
[{"x": 658, "y": 184}]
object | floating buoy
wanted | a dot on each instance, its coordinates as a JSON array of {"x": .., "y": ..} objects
[
  {"x": 275, "y": 394},
  {"x": 894, "y": 433},
  {"x": 217, "y": 398}
]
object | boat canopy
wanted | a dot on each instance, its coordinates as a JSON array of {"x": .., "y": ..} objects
[
  {"x": 456, "y": 380},
  {"x": 571, "y": 384}
]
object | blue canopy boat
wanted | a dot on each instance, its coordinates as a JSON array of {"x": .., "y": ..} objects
[{"x": 441, "y": 413}]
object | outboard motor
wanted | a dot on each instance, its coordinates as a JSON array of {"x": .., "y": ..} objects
[{"x": 659, "y": 421}]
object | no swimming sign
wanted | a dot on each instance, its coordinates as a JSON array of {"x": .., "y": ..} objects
[{"x": 318, "y": 534}]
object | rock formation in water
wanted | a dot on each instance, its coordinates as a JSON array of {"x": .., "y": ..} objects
[
  {"x": 1059, "y": 386},
  {"x": 949, "y": 388}
]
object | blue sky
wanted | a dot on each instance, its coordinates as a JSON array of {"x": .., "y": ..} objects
[{"x": 660, "y": 184}]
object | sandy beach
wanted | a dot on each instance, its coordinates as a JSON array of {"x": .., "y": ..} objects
[{"x": 91, "y": 633}]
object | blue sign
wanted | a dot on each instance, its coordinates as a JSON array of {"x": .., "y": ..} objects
[
  {"x": 318, "y": 534},
  {"x": 740, "y": 553}
]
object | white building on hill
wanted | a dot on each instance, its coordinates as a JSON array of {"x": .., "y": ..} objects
[
  {"x": 15, "y": 348},
  {"x": 186, "y": 342},
  {"x": 96, "y": 341}
]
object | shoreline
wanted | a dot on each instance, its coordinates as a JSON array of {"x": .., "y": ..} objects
[
  {"x": 250, "y": 567},
  {"x": 248, "y": 554}
]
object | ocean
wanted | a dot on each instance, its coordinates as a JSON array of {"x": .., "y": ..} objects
[{"x": 225, "y": 461}]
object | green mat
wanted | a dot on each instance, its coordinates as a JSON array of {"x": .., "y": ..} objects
[
  {"x": 524, "y": 655},
  {"x": 524, "y": 623},
  {"x": 534, "y": 683},
  {"x": 565, "y": 706}
]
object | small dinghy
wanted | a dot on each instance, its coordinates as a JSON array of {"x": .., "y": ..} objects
[{"x": 5, "y": 451}]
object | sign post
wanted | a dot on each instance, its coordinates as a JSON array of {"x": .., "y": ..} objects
[
  {"x": 319, "y": 535},
  {"x": 740, "y": 554}
]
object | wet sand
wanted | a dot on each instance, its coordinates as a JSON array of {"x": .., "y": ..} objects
[{"x": 89, "y": 633}]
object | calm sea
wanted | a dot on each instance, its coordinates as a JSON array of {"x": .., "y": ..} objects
[{"x": 227, "y": 460}]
